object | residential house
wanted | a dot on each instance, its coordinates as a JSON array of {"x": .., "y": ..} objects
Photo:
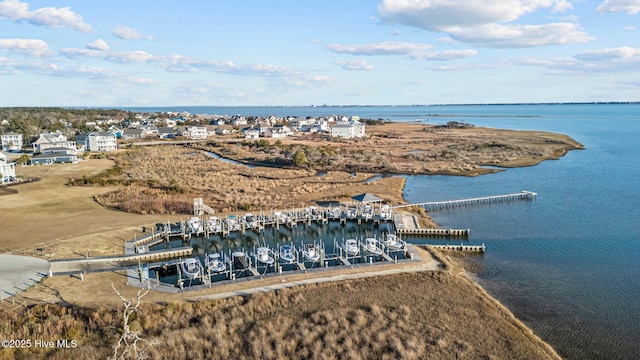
[
  {"x": 165, "y": 132},
  {"x": 56, "y": 139},
  {"x": 239, "y": 121},
  {"x": 56, "y": 155},
  {"x": 224, "y": 130},
  {"x": 349, "y": 130},
  {"x": 193, "y": 132},
  {"x": 150, "y": 130},
  {"x": 116, "y": 130},
  {"x": 211, "y": 130},
  {"x": 251, "y": 133},
  {"x": 7, "y": 170},
  {"x": 99, "y": 141},
  {"x": 133, "y": 133},
  {"x": 11, "y": 141},
  {"x": 299, "y": 122},
  {"x": 278, "y": 131}
]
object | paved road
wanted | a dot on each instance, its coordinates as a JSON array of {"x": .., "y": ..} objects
[
  {"x": 432, "y": 265},
  {"x": 17, "y": 273}
]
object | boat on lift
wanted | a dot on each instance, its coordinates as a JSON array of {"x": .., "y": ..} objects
[
  {"x": 351, "y": 247},
  {"x": 215, "y": 263},
  {"x": 190, "y": 268},
  {"x": 264, "y": 255},
  {"x": 311, "y": 252},
  {"x": 372, "y": 246},
  {"x": 394, "y": 243},
  {"x": 287, "y": 254}
]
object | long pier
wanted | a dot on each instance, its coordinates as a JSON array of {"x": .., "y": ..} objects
[
  {"x": 461, "y": 247},
  {"x": 434, "y": 232},
  {"x": 436, "y": 205}
]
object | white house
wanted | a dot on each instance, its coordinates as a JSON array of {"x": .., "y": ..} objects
[
  {"x": 193, "y": 132},
  {"x": 7, "y": 170},
  {"x": 11, "y": 141},
  {"x": 50, "y": 140},
  {"x": 99, "y": 141},
  {"x": 278, "y": 131},
  {"x": 350, "y": 130}
]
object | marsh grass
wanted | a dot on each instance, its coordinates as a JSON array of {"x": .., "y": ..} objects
[{"x": 429, "y": 315}]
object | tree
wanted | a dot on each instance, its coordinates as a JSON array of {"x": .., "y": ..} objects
[
  {"x": 131, "y": 345},
  {"x": 299, "y": 158},
  {"x": 23, "y": 159}
]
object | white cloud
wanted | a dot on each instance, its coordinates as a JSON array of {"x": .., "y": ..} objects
[
  {"x": 444, "y": 55},
  {"x": 630, "y": 28},
  {"x": 509, "y": 36},
  {"x": 484, "y": 23},
  {"x": 630, "y": 7},
  {"x": 51, "y": 17},
  {"x": 99, "y": 45},
  {"x": 359, "y": 64},
  {"x": 127, "y": 33},
  {"x": 613, "y": 54},
  {"x": 114, "y": 56},
  {"x": 33, "y": 47},
  {"x": 381, "y": 48}
]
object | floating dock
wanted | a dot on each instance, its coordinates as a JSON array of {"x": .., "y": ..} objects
[{"x": 461, "y": 247}]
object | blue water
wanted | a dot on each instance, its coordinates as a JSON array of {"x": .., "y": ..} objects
[{"x": 568, "y": 263}]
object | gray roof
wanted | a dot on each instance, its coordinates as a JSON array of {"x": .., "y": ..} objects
[{"x": 367, "y": 198}]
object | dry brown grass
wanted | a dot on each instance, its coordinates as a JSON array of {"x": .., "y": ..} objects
[
  {"x": 426, "y": 315},
  {"x": 415, "y": 149},
  {"x": 179, "y": 174}
]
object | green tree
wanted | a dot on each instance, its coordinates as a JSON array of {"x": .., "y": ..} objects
[{"x": 300, "y": 158}]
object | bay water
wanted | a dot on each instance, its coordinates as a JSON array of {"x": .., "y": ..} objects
[{"x": 568, "y": 263}]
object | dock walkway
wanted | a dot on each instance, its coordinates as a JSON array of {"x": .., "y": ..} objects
[{"x": 435, "y": 205}]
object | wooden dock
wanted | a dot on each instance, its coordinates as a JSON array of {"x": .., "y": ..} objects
[
  {"x": 436, "y": 205},
  {"x": 461, "y": 247},
  {"x": 434, "y": 232}
]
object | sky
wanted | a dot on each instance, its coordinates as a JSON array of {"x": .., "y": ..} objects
[{"x": 317, "y": 52}]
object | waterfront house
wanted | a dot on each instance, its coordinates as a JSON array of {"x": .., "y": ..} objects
[
  {"x": 251, "y": 133},
  {"x": 56, "y": 155},
  {"x": 224, "y": 130},
  {"x": 133, "y": 133},
  {"x": 348, "y": 130},
  {"x": 278, "y": 131},
  {"x": 11, "y": 141},
  {"x": 165, "y": 132},
  {"x": 193, "y": 132},
  {"x": 98, "y": 141},
  {"x": 49, "y": 140},
  {"x": 7, "y": 170}
]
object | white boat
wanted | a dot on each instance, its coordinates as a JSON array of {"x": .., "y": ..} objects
[
  {"x": 286, "y": 254},
  {"x": 334, "y": 213},
  {"x": 351, "y": 247},
  {"x": 214, "y": 224},
  {"x": 352, "y": 213},
  {"x": 190, "y": 268},
  {"x": 195, "y": 225},
  {"x": 372, "y": 247},
  {"x": 250, "y": 221},
  {"x": 385, "y": 212},
  {"x": 215, "y": 263},
  {"x": 264, "y": 255},
  {"x": 394, "y": 243},
  {"x": 311, "y": 253},
  {"x": 240, "y": 260},
  {"x": 367, "y": 212}
]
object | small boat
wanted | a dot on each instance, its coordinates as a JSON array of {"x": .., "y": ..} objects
[
  {"x": 367, "y": 212},
  {"x": 240, "y": 260},
  {"x": 351, "y": 247},
  {"x": 195, "y": 225},
  {"x": 250, "y": 221},
  {"x": 264, "y": 256},
  {"x": 372, "y": 247},
  {"x": 334, "y": 213},
  {"x": 286, "y": 254},
  {"x": 385, "y": 212},
  {"x": 190, "y": 268},
  {"x": 352, "y": 213},
  {"x": 214, "y": 224},
  {"x": 215, "y": 263},
  {"x": 311, "y": 253},
  {"x": 394, "y": 243}
]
